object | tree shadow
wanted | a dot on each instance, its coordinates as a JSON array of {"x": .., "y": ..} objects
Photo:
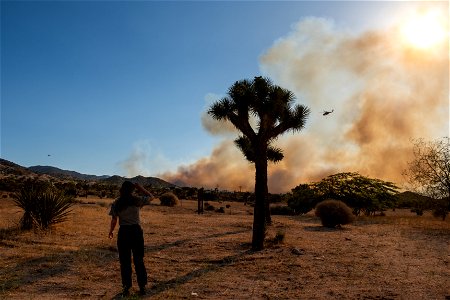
[
  {"x": 177, "y": 243},
  {"x": 214, "y": 265},
  {"x": 37, "y": 269},
  {"x": 59, "y": 263},
  {"x": 320, "y": 228}
]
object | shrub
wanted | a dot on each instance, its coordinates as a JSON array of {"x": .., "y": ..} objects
[
  {"x": 169, "y": 199},
  {"x": 441, "y": 207},
  {"x": 221, "y": 210},
  {"x": 42, "y": 206},
  {"x": 417, "y": 211},
  {"x": 209, "y": 207},
  {"x": 302, "y": 199},
  {"x": 334, "y": 213},
  {"x": 362, "y": 194},
  {"x": 279, "y": 238}
]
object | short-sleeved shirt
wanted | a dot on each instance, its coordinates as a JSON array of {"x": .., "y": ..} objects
[{"x": 129, "y": 215}]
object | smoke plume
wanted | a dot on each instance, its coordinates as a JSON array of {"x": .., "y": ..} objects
[
  {"x": 135, "y": 164},
  {"x": 384, "y": 93}
]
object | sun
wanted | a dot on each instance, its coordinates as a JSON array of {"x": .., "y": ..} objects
[{"x": 424, "y": 30}]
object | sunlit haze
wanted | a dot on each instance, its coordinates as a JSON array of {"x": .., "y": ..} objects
[{"x": 426, "y": 29}]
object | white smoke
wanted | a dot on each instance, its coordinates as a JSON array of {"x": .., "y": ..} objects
[{"x": 145, "y": 160}]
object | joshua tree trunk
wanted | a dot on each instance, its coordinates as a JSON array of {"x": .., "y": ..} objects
[{"x": 259, "y": 220}]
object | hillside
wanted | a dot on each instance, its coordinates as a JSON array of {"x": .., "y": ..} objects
[
  {"x": 10, "y": 168},
  {"x": 145, "y": 181},
  {"x": 64, "y": 174}
]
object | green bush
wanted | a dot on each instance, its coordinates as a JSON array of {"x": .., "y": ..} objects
[
  {"x": 334, "y": 213},
  {"x": 169, "y": 199},
  {"x": 362, "y": 194},
  {"x": 43, "y": 206},
  {"x": 302, "y": 199}
]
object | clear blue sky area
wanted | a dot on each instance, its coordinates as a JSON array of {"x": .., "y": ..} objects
[{"x": 88, "y": 82}]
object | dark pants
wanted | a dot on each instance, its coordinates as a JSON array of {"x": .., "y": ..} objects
[{"x": 131, "y": 240}]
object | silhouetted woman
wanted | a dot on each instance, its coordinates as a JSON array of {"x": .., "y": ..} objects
[{"x": 130, "y": 238}]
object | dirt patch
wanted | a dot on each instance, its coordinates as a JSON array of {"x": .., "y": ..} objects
[{"x": 398, "y": 256}]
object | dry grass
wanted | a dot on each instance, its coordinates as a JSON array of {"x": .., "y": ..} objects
[{"x": 399, "y": 256}]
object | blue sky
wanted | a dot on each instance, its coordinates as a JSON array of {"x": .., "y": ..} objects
[{"x": 93, "y": 83}]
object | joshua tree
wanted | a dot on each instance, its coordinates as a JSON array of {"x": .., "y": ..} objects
[{"x": 271, "y": 106}]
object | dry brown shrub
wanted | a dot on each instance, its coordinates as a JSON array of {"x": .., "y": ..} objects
[
  {"x": 333, "y": 213},
  {"x": 169, "y": 199}
]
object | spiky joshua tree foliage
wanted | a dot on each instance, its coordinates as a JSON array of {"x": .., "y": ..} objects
[
  {"x": 274, "y": 111},
  {"x": 43, "y": 206}
]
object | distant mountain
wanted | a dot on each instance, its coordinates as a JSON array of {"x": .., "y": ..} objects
[
  {"x": 10, "y": 168},
  {"x": 64, "y": 174},
  {"x": 409, "y": 196},
  {"x": 145, "y": 181},
  {"x": 114, "y": 180}
]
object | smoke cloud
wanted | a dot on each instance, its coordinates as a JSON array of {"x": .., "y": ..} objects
[
  {"x": 137, "y": 160},
  {"x": 384, "y": 93},
  {"x": 145, "y": 160},
  {"x": 225, "y": 169}
]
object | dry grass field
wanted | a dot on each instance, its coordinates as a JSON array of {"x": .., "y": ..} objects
[{"x": 190, "y": 256}]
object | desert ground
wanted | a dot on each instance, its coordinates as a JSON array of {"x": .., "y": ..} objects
[{"x": 191, "y": 256}]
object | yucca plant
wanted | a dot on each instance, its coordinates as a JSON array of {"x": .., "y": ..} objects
[
  {"x": 27, "y": 199},
  {"x": 43, "y": 206}
]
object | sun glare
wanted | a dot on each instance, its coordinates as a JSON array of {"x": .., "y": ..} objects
[{"x": 424, "y": 30}]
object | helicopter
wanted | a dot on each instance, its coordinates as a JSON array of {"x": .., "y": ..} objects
[{"x": 325, "y": 113}]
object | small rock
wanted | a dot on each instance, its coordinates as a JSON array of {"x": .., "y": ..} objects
[{"x": 297, "y": 251}]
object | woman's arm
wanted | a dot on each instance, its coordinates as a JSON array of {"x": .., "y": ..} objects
[
  {"x": 143, "y": 190},
  {"x": 113, "y": 225}
]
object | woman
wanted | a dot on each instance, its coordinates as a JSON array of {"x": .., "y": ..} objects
[{"x": 130, "y": 238}]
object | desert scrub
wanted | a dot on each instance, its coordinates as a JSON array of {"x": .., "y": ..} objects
[
  {"x": 278, "y": 239},
  {"x": 280, "y": 236},
  {"x": 169, "y": 199},
  {"x": 334, "y": 213},
  {"x": 209, "y": 207},
  {"x": 43, "y": 206},
  {"x": 220, "y": 210}
]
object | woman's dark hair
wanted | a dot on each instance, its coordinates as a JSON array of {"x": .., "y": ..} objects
[
  {"x": 126, "y": 196},
  {"x": 127, "y": 188}
]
